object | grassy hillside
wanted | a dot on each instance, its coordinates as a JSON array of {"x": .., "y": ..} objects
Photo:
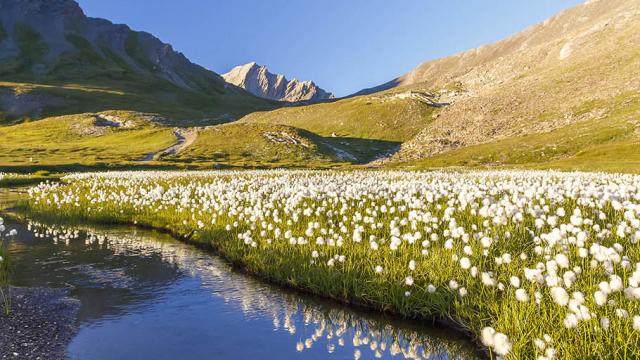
[
  {"x": 256, "y": 145},
  {"x": 369, "y": 117},
  {"x": 577, "y": 66},
  {"x": 610, "y": 143},
  {"x": 80, "y": 140},
  {"x": 367, "y": 126}
]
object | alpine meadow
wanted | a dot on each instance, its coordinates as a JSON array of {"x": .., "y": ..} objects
[{"x": 484, "y": 205}]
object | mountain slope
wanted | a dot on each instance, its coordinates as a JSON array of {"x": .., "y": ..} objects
[
  {"x": 256, "y": 145},
  {"x": 52, "y": 43},
  {"x": 366, "y": 127},
  {"x": 259, "y": 81},
  {"x": 559, "y": 94},
  {"x": 579, "y": 66}
]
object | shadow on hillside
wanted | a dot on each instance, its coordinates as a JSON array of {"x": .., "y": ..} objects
[
  {"x": 76, "y": 167},
  {"x": 360, "y": 151}
]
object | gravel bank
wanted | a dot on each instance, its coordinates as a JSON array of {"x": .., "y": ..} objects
[{"x": 41, "y": 324}]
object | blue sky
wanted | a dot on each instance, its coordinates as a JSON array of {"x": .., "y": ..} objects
[{"x": 343, "y": 45}]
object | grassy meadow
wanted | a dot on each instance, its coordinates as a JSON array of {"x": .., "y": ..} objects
[{"x": 535, "y": 264}]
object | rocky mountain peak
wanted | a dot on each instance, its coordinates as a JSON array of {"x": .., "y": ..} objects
[
  {"x": 58, "y": 32},
  {"x": 259, "y": 81},
  {"x": 53, "y": 41},
  {"x": 44, "y": 7}
]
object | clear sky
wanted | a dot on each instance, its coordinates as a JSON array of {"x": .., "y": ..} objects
[{"x": 343, "y": 45}]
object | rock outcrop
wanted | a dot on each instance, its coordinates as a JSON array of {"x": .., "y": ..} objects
[{"x": 257, "y": 80}]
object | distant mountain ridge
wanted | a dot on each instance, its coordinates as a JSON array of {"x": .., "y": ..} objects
[
  {"x": 259, "y": 81},
  {"x": 53, "y": 42}
]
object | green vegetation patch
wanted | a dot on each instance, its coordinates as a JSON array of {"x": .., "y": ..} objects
[
  {"x": 32, "y": 47},
  {"x": 183, "y": 107},
  {"x": 256, "y": 145},
  {"x": 3, "y": 33},
  {"x": 79, "y": 140},
  {"x": 134, "y": 49},
  {"x": 369, "y": 117},
  {"x": 85, "y": 49}
]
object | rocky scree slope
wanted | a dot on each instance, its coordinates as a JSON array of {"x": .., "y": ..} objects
[
  {"x": 578, "y": 67},
  {"x": 259, "y": 81}
]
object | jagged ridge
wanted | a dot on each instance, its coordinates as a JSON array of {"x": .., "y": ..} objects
[{"x": 259, "y": 81}]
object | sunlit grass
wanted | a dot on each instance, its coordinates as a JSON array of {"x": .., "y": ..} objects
[
  {"x": 533, "y": 263},
  {"x": 76, "y": 139}
]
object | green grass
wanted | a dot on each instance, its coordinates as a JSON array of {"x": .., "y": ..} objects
[
  {"x": 136, "y": 52},
  {"x": 85, "y": 49},
  {"x": 366, "y": 126},
  {"x": 99, "y": 93},
  {"x": 365, "y": 117},
  {"x": 201, "y": 217},
  {"x": 601, "y": 144},
  {"x": 32, "y": 47},
  {"x": 248, "y": 145},
  {"x": 13, "y": 180},
  {"x": 76, "y": 140}
]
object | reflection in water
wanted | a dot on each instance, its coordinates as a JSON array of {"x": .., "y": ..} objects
[{"x": 145, "y": 295}]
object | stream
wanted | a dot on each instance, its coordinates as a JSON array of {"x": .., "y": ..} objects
[{"x": 145, "y": 295}]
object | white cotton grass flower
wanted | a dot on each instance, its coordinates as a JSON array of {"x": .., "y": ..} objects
[
  {"x": 632, "y": 293},
  {"x": 521, "y": 295},
  {"x": 562, "y": 260},
  {"x": 412, "y": 265},
  {"x": 497, "y": 341},
  {"x": 559, "y": 296},
  {"x": 570, "y": 321},
  {"x": 605, "y": 287},
  {"x": 615, "y": 283},
  {"x": 487, "y": 280},
  {"x": 408, "y": 280},
  {"x": 540, "y": 344},
  {"x": 453, "y": 284},
  {"x": 622, "y": 313},
  {"x": 600, "y": 298},
  {"x": 465, "y": 263}
]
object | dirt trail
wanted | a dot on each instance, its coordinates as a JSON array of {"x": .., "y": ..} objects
[{"x": 184, "y": 138}]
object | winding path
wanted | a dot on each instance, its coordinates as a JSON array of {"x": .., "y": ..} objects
[{"x": 184, "y": 138}]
